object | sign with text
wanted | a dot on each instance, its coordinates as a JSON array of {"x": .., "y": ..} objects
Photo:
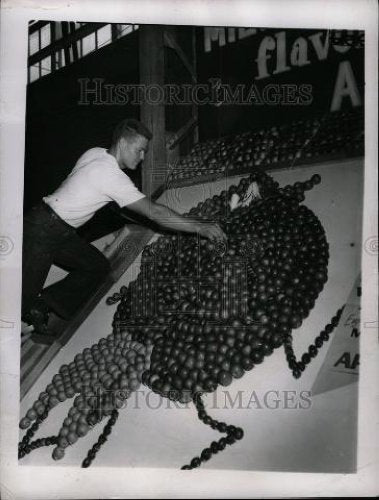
[
  {"x": 267, "y": 76},
  {"x": 341, "y": 365}
]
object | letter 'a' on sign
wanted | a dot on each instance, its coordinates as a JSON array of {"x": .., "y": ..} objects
[
  {"x": 299, "y": 52},
  {"x": 346, "y": 86},
  {"x": 348, "y": 361}
]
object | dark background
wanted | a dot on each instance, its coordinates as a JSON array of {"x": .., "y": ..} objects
[{"x": 235, "y": 63}]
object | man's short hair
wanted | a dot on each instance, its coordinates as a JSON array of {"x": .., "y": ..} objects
[{"x": 130, "y": 129}]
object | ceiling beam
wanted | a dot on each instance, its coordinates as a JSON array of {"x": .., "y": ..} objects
[{"x": 65, "y": 42}]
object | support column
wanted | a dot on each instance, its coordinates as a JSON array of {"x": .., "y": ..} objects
[{"x": 151, "y": 64}]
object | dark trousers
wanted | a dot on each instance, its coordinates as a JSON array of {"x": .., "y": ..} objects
[{"x": 48, "y": 240}]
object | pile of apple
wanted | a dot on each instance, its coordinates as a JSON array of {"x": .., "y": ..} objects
[{"x": 301, "y": 140}]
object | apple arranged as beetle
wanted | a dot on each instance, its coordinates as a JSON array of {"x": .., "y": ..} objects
[{"x": 199, "y": 315}]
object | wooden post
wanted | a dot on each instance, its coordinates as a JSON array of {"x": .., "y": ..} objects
[
  {"x": 52, "y": 40},
  {"x": 114, "y": 31},
  {"x": 195, "y": 112},
  {"x": 74, "y": 45},
  {"x": 65, "y": 33},
  {"x": 151, "y": 63}
]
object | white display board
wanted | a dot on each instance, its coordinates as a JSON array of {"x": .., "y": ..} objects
[{"x": 287, "y": 427}]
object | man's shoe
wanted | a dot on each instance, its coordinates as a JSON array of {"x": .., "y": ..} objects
[{"x": 37, "y": 318}]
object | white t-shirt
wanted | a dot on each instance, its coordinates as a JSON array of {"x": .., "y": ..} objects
[{"x": 95, "y": 180}]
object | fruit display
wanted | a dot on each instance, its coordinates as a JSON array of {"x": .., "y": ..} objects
[
  {"x": 334, "y": 135},
  {"x": 199, "y": 315}
]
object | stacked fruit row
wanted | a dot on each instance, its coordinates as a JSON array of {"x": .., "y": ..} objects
[
  {"x": 102, "y": 376},
  {"x": 338, "y": 133}
]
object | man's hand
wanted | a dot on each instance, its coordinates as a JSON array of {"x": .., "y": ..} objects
[
  {"x": 212, "y": 231},
  {"x": 170, "y": 219}
]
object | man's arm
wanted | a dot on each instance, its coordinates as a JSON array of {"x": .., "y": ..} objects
[{"x": 170, "y": 219}]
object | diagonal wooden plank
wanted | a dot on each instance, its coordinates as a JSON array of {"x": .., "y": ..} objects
[
  {"x": 180, "y": 134},
  {"x": 172, "y": 44},
  {"x": 30, "y": 352},
  {"x": 45, "y": 355}
]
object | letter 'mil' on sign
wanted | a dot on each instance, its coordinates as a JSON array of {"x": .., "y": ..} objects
[
  {"x": 219, "y": 34},
  {"x": 212, "y": 35},
  {"x": 346, "y": 86}
]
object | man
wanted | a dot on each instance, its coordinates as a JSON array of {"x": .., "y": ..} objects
[{"x": 50, "y": 228}]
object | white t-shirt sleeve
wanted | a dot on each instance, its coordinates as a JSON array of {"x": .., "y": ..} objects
[{"x": 121, "y": 189}]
